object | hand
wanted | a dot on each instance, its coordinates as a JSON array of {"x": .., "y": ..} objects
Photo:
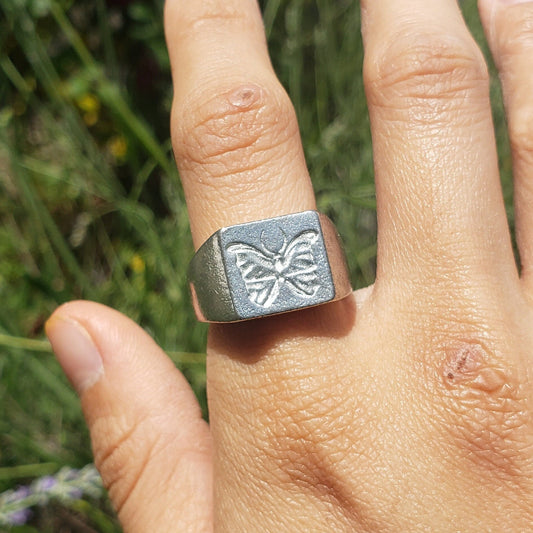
[{"x": 405, "y": 408}]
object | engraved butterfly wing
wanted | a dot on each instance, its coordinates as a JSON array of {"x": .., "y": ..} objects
[
  {"x": 299, "y": 265},
  {"x": 258, "y": 273}
]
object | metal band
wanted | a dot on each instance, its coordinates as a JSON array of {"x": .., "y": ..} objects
[{"x": 268, "y": 267}]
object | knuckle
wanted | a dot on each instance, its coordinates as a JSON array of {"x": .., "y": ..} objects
[
  {"x": 487, "y": 409},
  {"x": 123, "y": 454},
  {"x": 308, "y": 440},
  {"x": 239, "y": 129},
  {"x": 515, "y": 37},
  {"x": 521, "y": 131},
  {"x": 207, "y": 12},
  {"x": 428, "y": 66}
]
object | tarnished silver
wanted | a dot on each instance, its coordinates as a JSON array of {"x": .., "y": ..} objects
[{"x": 268, "y": 267}]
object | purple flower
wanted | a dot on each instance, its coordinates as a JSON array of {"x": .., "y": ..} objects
[
  {"x": 66, "y": 486},
  {"x": 71, "y": 474},
  {"x": 75, "y": 493},
  {"x": 18, "y": 518},
  {"x": 18, "y": 494},
  {"x": 45, "y": 483}
]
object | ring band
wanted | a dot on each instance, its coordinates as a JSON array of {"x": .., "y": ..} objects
[{"x": 267, "y": 267}]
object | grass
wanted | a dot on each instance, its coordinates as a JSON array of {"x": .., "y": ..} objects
[{"x": 91, "y": 206}]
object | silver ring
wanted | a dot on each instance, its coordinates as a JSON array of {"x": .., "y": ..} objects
[{"x": 267, "y": 267}]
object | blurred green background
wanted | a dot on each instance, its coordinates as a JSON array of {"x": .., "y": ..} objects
[{"x": 91, "y": 205}]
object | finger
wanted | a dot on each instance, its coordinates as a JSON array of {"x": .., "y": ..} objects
[
  {"x": 440, "y": 208},
  {"x": 150, "y": 443},
  {"x": 234, "y": 130},
  {"x": 509, "y": 29},
  {"x": 240, "y": 158}
]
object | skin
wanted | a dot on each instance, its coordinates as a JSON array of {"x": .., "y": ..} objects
[{"x": 407, "y": 407}]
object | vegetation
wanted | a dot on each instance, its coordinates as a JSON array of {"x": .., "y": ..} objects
[{"x": 91, "y": 206}]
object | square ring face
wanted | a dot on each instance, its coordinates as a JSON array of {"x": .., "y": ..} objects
[{"x": 276, "y": 265}]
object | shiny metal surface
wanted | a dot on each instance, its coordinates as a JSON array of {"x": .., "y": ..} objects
[{"x": 267, "y": 267}]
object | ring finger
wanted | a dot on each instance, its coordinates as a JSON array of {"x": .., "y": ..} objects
[
  {"x": 234, "y": 131},
  {"x": 240, "y": 158}
]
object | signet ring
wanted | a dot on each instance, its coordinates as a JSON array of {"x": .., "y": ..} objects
[{"x": 268, "y": 267}]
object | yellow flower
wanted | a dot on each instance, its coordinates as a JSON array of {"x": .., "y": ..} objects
[
  {"x": 137, "y": 264},
  {"x": 90, "y": 118},
  {"x": 88, "y": 103},
  {"x": 118, "y": 146}
]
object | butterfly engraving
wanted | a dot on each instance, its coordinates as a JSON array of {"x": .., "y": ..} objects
[{"x": 265, "y": 271}]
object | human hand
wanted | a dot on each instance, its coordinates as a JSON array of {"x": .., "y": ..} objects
[{"x": 405, "y": 408}]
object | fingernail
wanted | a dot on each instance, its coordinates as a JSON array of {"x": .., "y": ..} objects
[{"x": 76, "y": 352}]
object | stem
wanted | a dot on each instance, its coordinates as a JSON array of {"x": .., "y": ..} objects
[
  {"x": 110, "y": 94},
  {"x": 27, "y": 471},
  {"x": 187, "y": 358},
  {"x": 32, "y": 345}
]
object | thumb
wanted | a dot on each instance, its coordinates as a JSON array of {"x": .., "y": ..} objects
[{"x": 150, "y": 443}]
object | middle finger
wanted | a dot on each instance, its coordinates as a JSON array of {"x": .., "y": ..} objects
[{"x": 440, "y": 209}]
